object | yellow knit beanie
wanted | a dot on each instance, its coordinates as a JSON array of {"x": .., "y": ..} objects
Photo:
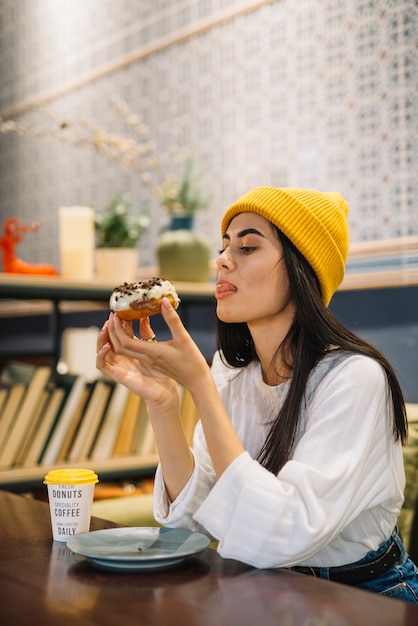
[{"x": 314, "y": 221}]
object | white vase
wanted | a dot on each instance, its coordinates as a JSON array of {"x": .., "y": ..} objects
[{"x": 118, "y": 265}]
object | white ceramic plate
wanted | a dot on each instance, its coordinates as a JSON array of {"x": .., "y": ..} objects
[{"x": 138, "y": 548}]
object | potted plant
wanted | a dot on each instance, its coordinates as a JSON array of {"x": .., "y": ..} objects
[
  {"x": 118, "y": 232},
  {"x": 182, "y": 197},
  {"x": 183, "y": 255}
]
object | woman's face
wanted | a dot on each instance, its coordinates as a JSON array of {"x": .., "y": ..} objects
[{"x": 252, "y": 284}]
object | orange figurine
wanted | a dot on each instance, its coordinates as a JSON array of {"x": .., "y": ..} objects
[{"x": 13, "y": 234}]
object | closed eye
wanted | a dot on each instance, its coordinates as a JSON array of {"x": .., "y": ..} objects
[{"x": 243, "y": 249}]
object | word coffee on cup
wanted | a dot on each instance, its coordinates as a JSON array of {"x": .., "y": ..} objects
[{"x": 70, "y": 495}]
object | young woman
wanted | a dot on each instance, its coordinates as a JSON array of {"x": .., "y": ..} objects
[{"x": 297, "y": 458}]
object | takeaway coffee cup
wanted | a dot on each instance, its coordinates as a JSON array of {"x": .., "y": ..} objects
[{"x": 70, "y": 495}]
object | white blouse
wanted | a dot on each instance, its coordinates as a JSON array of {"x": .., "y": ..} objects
[{"x": 338, "y": 497}]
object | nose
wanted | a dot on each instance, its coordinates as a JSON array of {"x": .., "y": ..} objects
[{"x": 224, "y": 259}]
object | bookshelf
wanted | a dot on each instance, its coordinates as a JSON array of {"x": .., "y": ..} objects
[
  {"x": 56, "y": 298},
  {"x": 73, "y": 422}
]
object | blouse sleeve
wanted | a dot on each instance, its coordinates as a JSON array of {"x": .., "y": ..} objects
[
  {"x": 345, "y": 463},
  {"x": 181, "y": 511}
]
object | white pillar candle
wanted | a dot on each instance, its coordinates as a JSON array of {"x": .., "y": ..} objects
[{"x": 76, "y": 242}]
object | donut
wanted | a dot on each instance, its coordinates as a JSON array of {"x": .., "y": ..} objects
[{"x": 132, "y": 301}]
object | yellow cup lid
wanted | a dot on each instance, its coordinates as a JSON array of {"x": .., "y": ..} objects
[{"x": 71, "y": 477}]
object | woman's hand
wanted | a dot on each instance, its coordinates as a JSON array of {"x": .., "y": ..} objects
[
  {"x": 123, "y": 355},
  {"x": 134, "y": 374}
]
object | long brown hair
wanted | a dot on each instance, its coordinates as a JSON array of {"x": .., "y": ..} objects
[{"x": 313, "y": 331}]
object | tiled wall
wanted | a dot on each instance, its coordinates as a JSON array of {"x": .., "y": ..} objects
[{"x": 312, "y": 93}]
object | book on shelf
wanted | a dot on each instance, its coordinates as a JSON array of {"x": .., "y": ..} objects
[
  {"x": 4, "y": 392},
  {"x": 90, "y": 423},
  {"x": 146, "y": 443},
  {"x": 124, "y": 440},
  {"x": 105, "y": 441},
  {"x": 17, "y": 372},
  {"x": 32, "y": 430},
  {"x": 53, "y": 446},
  {"x": 142, "y": 430},
  {"x": 25, "y": 414},
  {"x": 14, "y": 398},
  {"x": 34, "y": 451},
  {"x": 75, "y": 423},
  {"x": 137, "y": 429},
  {"x": 15, "y": 377}
]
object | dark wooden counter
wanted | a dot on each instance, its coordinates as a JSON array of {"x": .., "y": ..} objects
[{"x": 42, "y": 582}]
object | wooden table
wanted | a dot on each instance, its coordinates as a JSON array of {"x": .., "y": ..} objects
[{"x": 42, "y": 582}]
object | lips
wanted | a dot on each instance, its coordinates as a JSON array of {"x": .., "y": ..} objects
[{"x": 224, "y": 289}]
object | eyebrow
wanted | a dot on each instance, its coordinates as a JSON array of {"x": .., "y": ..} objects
[{"x": 246, "y": 231}]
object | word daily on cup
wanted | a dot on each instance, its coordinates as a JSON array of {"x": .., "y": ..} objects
[{"x": 70, "y": 495}]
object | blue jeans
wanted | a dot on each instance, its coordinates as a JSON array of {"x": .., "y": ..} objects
[{"x": 400, "y": 582}]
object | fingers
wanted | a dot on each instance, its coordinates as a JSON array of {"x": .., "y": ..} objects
[
  {"x": 122, "y": 338},
  {"x": 103, "y": 351},
  {"x": 145, "y": 329},
  {"x": 172, "y": 319},
  {"x": 128, "y": 328},
  {"x": 103, "y": 336},
  {"x": 154, "y": 353}
]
